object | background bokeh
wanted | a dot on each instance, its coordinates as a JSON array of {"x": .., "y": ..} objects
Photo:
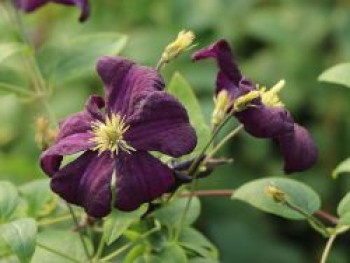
[{"x": 294, "y": 40}]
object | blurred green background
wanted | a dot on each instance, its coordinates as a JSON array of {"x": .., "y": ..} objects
[{"x": 295, "y": 40}]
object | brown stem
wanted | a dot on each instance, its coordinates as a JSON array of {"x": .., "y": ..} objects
[{"x": 228, "y": 193}]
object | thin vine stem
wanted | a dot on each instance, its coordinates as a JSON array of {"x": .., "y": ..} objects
[
  {"x": 57, "y": 253},
  {"x": 130, "y": 245},
  {"x": 328, "y": 248},
  {"x": 75, "y": 220},
  {"x": 228, "y": 137},
  {"x": 192, "y": 171},
  {"x": 51, "y": 221}
]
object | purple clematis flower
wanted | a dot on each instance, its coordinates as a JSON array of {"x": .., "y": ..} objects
[
  {"x": 138, "y": 117},
  {"x": 266, "y": 116},
  {"x": 32, "y": 5}
]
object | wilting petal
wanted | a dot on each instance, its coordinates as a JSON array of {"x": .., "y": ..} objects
[
  {"x": 125, "y": 81},
  {"x": 223, "y": 55},
  {"x": 298, "y": 149},
  {"x": 161, "y": 123},
  {"x": 264, "y": 122},
  {"x": 141, "y": 178},
  {"x": 86, "y": 182},
  {"x": 50, "y": 159},
  {"x": 31, "y": 5}
]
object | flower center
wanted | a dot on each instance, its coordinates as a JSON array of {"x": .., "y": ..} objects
[{"x": 109, "y": 135}]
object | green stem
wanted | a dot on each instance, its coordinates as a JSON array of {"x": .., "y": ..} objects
[
  {"x": 327, "y": 249},
  {"x": 228, "y": 137},
  {"x": 100, "y": 248},
  {"x": 75, "y": 220},
  {"x": 130, "y": 245},
  {"x": 57, "y": 253},
  {"x": 314, "y": 222},
  {"x": 54, "y": 220},
  {"x": 192, "y": 171}
]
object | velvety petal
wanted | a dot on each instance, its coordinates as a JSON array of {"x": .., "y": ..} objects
[
  {"x": 50, "y": 159},
  {"x": 124, "y": 81},
  {"x": 222, "y": 53},
  {"x": 94, "y": 105},
  {"x": 161, "y": 123},
  {"x": 77, "y": 123},
  {"x": 141, "y": 178},
  {"x": 86, "y": 182},
  {"x": 298, "y": 149},
  {"x": 264, "y": 122},
  {"x": 31, "y": 5}
]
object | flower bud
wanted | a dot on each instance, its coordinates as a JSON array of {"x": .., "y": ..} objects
[
  {"x": 183, "y": 41},
  {"x": 222, "y": 104},
  {"x": 277, "y": 194},
  {"x": 44, "y": 135},
  {"x": 243, "y": 101}
]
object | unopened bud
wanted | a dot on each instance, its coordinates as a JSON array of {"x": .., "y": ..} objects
[
  {"x": 277, "y": 194},
  {"x": 183, "y": 41},
  {"x": 222, "y": 105},
  {"x": 242, "y": 102},
  {"x": 44, "y": 135}
]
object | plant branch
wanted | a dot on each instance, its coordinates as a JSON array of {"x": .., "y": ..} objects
[
  {"x": 75, "y": 220},
  {"x": 327, "y": 249}
]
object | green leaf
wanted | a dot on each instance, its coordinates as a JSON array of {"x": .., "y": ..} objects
[
  {"x": 339, "y": 74},
  {"x": 345, "y": 219},
  {"x": 9, "y": 49},
  {"x": 39, "y": 197},
  {"x": 171, "y": 213},
  {"x": 64, "y": 242},
  {"x": 195, "y": 241},
  {"x": 20, "y": 236},
  {"x": 76, "y": 57},
  {"x": 135, "y": 253},
  {"x": 343, "y": 167},
  {"x": 343, "y": 209},
  {"x": 181, "y": 89},
  {"x": 8, "y": 200},
  {"x": 118, "y": 222},
  {"x": 173, "y": 253},
  {"x": 296, "y": 193}
]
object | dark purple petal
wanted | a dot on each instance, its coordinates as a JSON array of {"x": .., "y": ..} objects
[
  {"x": 94, "y": 105},
  {"x": 125, "y": 81},
  {"x": 298, "y": 149},
  {"x": 161, "y": 123},
  {"x": 50, "y": 159},
  {"x": 77, "y": 123},
  {"x": 223, "y": 55},
  {"x": 264, "y": 122},
  {"x": 141, "y": 178},
  {"x": 31, "y": 5},
  {"x": 86, "y": 182}
]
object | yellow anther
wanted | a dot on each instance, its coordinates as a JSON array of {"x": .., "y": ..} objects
[
  {"x": 109, "y": 135},
  {"x": 277, "y": 194},
  {"x": 183, "y": 41},
  {"x": 270, "y": 97},
  {"x": 242, "y": 102},
  {"x": 222, "y": 104}
]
